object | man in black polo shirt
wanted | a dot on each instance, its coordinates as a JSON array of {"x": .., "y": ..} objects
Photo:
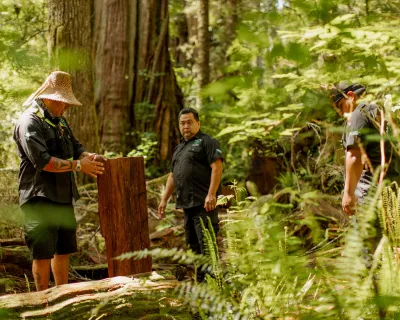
[
  {"x": 49, "y": 154},
  {"x": 196, "y": 172},
  {"x": 360, "y": 129}
]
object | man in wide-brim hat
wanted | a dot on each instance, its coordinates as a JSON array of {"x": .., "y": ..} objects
[{"x": 49, "y": 155}]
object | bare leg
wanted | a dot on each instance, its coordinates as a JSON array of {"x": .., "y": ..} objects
[
  {"x": 41, "y": 273},
  {"x": 60, "y": 267}
]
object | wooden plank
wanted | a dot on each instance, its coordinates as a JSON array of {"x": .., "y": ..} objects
[{"x": 123, "y": 214}]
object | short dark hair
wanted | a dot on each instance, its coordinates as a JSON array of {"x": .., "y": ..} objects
[
  {"x": 189, "y": 110},
  {"x": 341, "y": 89}
]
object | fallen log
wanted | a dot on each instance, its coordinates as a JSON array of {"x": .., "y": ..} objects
[
  {"x": 117, "y": 298},
  {"x": 18, "y": 255},
  {"x": 12, "y": 242},
  {"x": 93, "y": 272}
]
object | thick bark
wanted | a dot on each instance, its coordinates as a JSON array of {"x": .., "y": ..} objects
[
  {"x": 116, "y": 298},
  {"x": 123, "y": 214},
  {"x": 113, "y": 77},
  {"x": 137, "y": 86},
  {"x": 70, "y": 49},
  {"x": 204, "y": 44},
  {"x": 180, "y": 41}
]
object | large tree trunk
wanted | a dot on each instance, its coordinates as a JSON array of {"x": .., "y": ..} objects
[
  {"x": 178, "y": 43},
  {"x": 137, "y": 90},
  {"x": 114, "y": 79},
  {"x": 70, "y": 49},
  {"x": 204, "y": 47},
  {"x": 112, "y": 298}
]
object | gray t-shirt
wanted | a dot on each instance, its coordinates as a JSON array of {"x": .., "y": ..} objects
[{"x": 361, "y": 127}]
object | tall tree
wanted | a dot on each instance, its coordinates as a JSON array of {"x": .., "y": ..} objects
[
  {"x": 70, "y": 49},
  {"x": 204, "y": 45},
  {"x": 136, "y": 85},
  {"x": 180, "y": 33}
]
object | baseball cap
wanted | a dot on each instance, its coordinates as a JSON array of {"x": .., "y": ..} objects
[{"x": 341, "y": 89}]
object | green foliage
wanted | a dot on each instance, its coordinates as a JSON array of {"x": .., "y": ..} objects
[
  {"x": 281, "y": 65},
  {"x": 268, "y": 273},
  {"x": 390, "y": 213},
  {"x": 147, "y": 148},
  {"x": 22, "y": 61}
]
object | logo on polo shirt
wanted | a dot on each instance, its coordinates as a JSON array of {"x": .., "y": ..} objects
[{"x": 196, "y": 143}]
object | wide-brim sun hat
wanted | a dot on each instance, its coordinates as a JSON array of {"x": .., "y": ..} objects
[{"x": 57, "y": 87}]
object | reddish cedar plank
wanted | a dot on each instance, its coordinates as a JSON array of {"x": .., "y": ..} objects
[{"x": 123, "y": 214}]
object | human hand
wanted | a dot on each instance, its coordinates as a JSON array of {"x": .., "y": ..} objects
[
  {"x": 210, "y": 202},
  {"x": 161, "y": 209},
  {"x": 91, "y": 167},
  {"x": 99, "y": 157},
  {"x": 349, "y": 203}
]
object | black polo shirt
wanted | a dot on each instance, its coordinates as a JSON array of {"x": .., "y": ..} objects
[
  {"x": 38, "y": 139},
  {"x": 191, "y": 167}
]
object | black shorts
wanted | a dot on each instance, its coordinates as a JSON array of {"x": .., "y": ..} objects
[{"x": 50, "y": 228}]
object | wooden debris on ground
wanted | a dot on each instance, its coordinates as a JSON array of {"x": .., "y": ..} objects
[{"x": 116, "y": 298}]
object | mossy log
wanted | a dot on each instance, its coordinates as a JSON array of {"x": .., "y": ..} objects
[
  {"x": 12, "y": 242},
  {"x": 111, "y": 298},
  {"x": 18, "y": 255}
]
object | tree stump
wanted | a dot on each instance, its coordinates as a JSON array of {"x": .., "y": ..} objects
[{"x": 123, "y": 214}]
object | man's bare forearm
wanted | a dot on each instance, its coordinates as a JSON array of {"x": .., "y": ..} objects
[
  {"x": 216, "y": 174},
  {"x": 169, "y": 188},
  {"x": 60, "y": 165},
  {"x": 354, "y": 169}
]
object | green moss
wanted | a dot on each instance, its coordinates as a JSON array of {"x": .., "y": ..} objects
[{"x": 7, "y": 285}]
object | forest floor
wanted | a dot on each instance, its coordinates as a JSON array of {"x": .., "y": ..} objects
[{"x": 90, "y": 262}]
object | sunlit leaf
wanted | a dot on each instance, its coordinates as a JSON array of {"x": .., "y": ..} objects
[
  {"x": 231, "y": 129},
  {"x": 289, "y": 132},
  {"x": 343, "y": 18}
]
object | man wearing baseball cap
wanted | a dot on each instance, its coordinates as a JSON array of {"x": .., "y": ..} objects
[
  {"x": 49, "y": 155},
  {"x": 360, "y": 124}
]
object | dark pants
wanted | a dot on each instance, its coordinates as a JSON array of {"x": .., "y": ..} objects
[
  {"x": 194, "y": 232},
  {"x": 50, "y": 228}
]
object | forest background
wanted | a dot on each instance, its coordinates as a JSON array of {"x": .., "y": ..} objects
[{"x": 259, "y": 72}]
